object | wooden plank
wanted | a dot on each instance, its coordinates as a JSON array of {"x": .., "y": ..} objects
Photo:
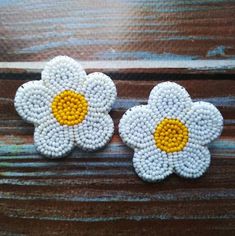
[
  {"x": 99, "y": 193},
  {"x": 117, "y": 30},
  {"x": 21, "y": 165},
  {"x": 17, "y": 226},
  {"x": 138, "y": 43},
  {"x": 128, "y": 86},
  {"x": 219, "y": 92},
  {"x": 134, "y": 210}
]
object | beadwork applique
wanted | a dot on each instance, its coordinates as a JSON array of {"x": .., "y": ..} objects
[
  {"x": 68, "y": 108},
  {"x": 170, "y": 133}
]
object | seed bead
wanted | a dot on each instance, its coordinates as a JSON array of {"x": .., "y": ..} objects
[
  {"x": 171, "y": 135},
  {"x": 69, "y": 108}
]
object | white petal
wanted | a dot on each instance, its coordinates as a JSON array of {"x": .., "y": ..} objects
[
  {"x": 63, "y": 73},
  {"x": 95, "y": 132},
  {"x": 151, "y": 164},
  {"x": 169, "y": 100},
  {"x": 100, "y": 91},
  {"x": 53, "y": 140},
  {"x": 32, "y": 101},
  {"x": 205, "y": 123},
  {"x": 137, "y": 126},
  {"x": 192, "y": 162}
]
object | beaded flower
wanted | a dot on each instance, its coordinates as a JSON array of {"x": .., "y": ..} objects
[
  {"x": 68, "y": 108},
  {"x": 170, "y": 133}
]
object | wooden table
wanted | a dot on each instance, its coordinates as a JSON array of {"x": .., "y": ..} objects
[{"x": 139, "y": 43}]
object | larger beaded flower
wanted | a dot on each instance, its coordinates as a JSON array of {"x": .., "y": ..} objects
[
  {"x": 67, "y": 107},
  {"x": 170, "y": 133}
]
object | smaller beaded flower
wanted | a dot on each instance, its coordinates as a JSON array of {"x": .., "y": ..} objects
[
  {"x": 170, "y": 133},
  {"x": 68, "y": 108}
]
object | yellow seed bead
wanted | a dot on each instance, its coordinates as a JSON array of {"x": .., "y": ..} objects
[
  {"x": 171, "y": 135},
  {"x": 69, "y": 107}
]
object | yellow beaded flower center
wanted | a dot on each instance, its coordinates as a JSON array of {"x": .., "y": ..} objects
[
  {"x": 69, "y": 107},
  {"x": 171, "y": 135}
]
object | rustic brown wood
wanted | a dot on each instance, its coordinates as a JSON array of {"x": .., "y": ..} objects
[
  {"x": 127, "y": 227},
  {"x": 112, "y": 30},
  {"x": 99, "y": 193}
]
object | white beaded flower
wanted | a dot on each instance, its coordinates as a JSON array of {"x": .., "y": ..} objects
[
  {"x": 68, "y": 108},
  {"x": 170, "y": 133}
]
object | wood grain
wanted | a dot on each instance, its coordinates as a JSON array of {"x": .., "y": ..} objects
[
  {"x": 99, "y": 193},
  {"x": 138, "y": 43},
  {"x": 117, "y": 30}
]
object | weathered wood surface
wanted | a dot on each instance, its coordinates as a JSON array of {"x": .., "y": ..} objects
[
  {"x": 35, "y": 30},
  {"x": 98, "y": 193}
]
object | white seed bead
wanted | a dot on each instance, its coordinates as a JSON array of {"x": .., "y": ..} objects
[
  {"x": 63, "y": 73},
  {"x": 169, "y": 100},
  {"x": 33, "y": 101},
  {"x": 136, "y": 127},
  {"x": 205, "y": 123},
  {"x": 96, "y": 131},
  {"x": 101, "y": 92}
]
